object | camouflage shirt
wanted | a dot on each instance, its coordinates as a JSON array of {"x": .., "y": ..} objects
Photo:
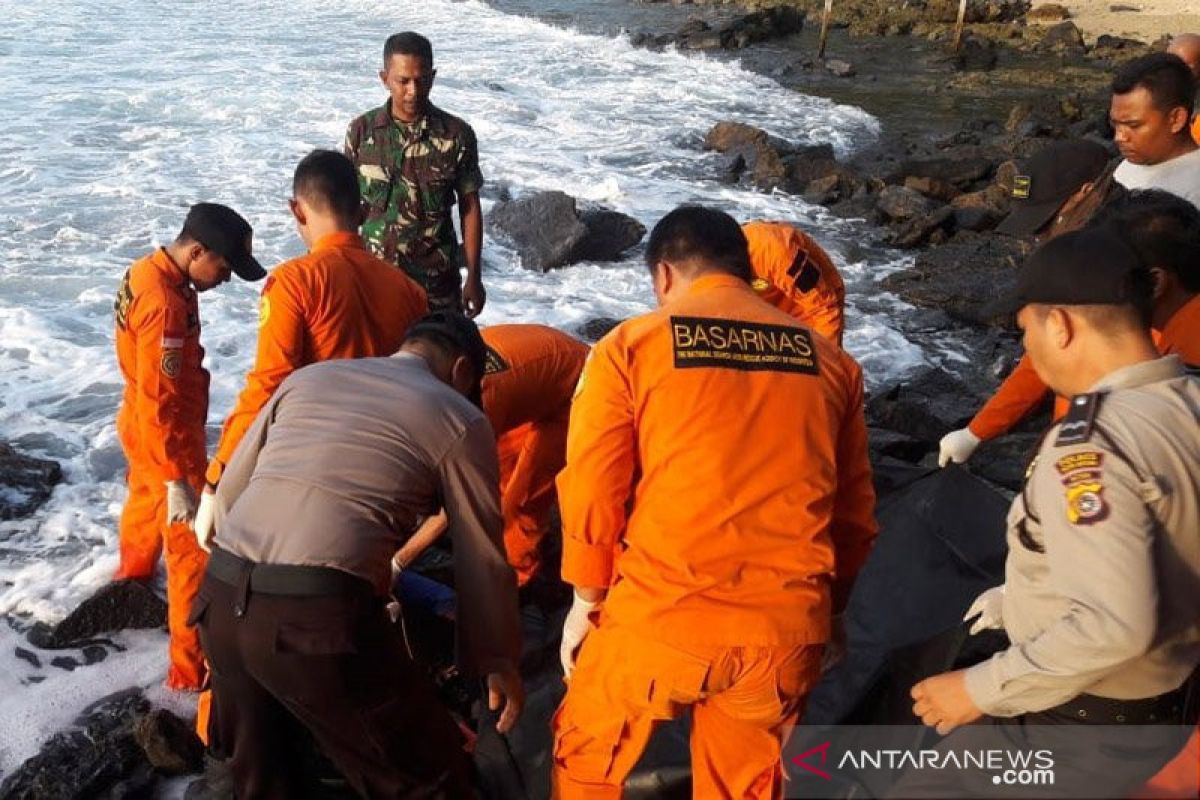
[{"x": 410, "y": 175}]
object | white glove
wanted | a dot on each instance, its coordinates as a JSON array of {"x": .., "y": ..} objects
[
  {"x": 205, "y": 518},
  {"x": 575, "y": 629},
  {"x": 989, "y": 607},
  {"x": 181, "y": 502},
  {"x": 957, "y": 446}
]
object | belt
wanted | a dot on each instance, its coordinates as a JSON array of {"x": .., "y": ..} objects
[
  {"x": 1164, "y": 709},
  {"x": 283, "y": 579}
]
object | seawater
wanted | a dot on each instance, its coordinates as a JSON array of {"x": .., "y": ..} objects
[{"x": 119, "y": 115}]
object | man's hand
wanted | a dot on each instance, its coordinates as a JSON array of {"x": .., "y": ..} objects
[
  {"x": 957, "y": 446},
  {"x": 473, "y": 295},
  {"x": 205, "y": 519},
  {"x": 989, "y": 607},
  {"x": 575, "y": 629},
  {"x": 943, "y": 702},
  {"x": 181, "y": 502},
  {"x": 505, "y": 689}
]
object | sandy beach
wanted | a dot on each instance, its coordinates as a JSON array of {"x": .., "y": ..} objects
[{"x": 1146, "y": 20}]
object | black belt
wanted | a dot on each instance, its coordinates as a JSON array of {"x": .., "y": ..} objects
[
  {"x": 1164, "y": 709},
  {"x": 284, "y": 579}
]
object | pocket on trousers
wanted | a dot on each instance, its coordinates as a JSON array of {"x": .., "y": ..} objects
[
  {"x": 586, "y": 749},
  {"x": 330, "y": 640}
]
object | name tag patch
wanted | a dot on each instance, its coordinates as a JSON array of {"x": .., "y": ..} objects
[{"x": 735, "y": 344}]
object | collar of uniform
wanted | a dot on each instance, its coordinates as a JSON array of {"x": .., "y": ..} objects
[
  {"x": 412, "y": 358},
  {"x": 174, "y": 273},
  {"x": 1182, "y": 322},
  {"x": 434, "y": 119},
  {"x": 338, "y": 239},
  {"x": 716, "y": 280},
  {"x": 1140, "y": 374}
]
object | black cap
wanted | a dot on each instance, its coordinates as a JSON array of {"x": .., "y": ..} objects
[
  {"x": 1092, "y": 266},
  {"x": 1047, "y": 179},
  {"x": 463, "y": 334},
  {"x": 226, "y": 233}
]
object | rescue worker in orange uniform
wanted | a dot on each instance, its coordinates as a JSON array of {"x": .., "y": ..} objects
[
  {"x": 337, "y": 301},
  {"x": 531, "y": 375},
  {"x": 795, "y": 274},
  {"x": 1164, "y": 230},
  {"x": 717, "y": 505},
  {"x": 164, "y": 408},
  {"x": 1187, "y": 47}
]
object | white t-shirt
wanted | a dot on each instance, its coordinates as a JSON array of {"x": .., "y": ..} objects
[{"x": 1179, "y": 176}]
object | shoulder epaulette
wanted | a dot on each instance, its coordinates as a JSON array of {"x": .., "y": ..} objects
[{"x": 1080, "y": 421}]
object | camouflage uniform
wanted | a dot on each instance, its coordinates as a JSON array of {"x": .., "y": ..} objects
[{"x": 410, "y": 175}]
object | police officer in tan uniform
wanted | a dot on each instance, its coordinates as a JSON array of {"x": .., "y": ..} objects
[{"x": 1101, "y": 599}]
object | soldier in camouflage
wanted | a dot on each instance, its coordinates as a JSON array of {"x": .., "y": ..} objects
[{"x": 414, "y": 162}]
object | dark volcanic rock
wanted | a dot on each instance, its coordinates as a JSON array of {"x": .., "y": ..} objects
[
  {"x": 117, "y": 606},
  {"x": 840, "y": 68},
  {"x": 976, "y": 55},
  {"x": 921, "y": 231},
  {"x": 594, "y": 329},
  {"x": 170, "y": 744},
  {"x": 925, "y": 406},
  {"x": 549, "y": 232},
  {"x": 25, "y": 482},
  {"x": 90, "y": 760},
  {"x": 1063, "y": 36},
  {"x": 742, "y": 31},
  {"x": 1049, "y": 12},
  {"x": 900, "y": 203},
  {"x": 28, "y": 656},
  {"x": 956, "y": 171},
  {"x": 962, "y": 277}
]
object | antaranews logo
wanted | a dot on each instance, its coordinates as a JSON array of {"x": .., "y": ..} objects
[
  {"x": 822, "y": 750},
  {"x": 1006, "y": 767}
]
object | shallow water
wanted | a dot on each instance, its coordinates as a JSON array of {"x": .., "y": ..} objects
[{"x": 120, "y": 114}]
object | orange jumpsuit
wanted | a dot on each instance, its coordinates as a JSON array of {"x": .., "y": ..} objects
[
  {"x": 717, "y": 483},
  {"x": 1023, "y": 390},
  {"x": 531, "y": 375},
  {"x": 161, "y": 429},
  {"x": 338, "y": 301},
  {"x": 795, "y": 274},
  {"x": 1196, "y": 129}
]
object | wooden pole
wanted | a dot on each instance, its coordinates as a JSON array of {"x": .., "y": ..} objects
[
  {"x": 958, "y": 26},
  {"x": 824, "y": 28}
]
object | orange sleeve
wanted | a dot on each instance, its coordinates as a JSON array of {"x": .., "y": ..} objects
[
  {"x": 854, "y": 528},
  {"x": 162, "y": 400},
  {"x": 1019, "y": 395},
  {"x": 596, "y": 486},
  {"x": 282, "y": 338},
  {"x": 1196, "y": 129}
]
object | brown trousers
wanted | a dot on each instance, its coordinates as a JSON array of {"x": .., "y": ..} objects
[{"x": 336, "y": 665}]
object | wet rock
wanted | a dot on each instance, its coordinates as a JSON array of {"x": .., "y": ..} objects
[
  {"x": 25, "y": 482},
  {"x": 64, "y": 662},
  {"x": 762, "y": 154},
  {"x": 994, "y": 200},
  {"x": 823, "y": 191},
  {"x": 840, "y": 68},
  {"x": 1063, "y": 36},
  {"x": 975, "y": 219},
  {"x": 595, "y": 329},
  {"x": 549, "y": 232},
  {"x": 93, "y": 654},
  {"x": 934, "y": 188},
  {"x": 742, "y": 31},
  {"x": 118, "y": 606},
  {"x": 94, "y": 758},
  {"x": 976, "y": 54},
  {"x": 924, "y": 406},
  {"x": 1048, "y": 12},
  {"x": 919, "y": 232},
  {"x": 1123, "y": 9},
  {"x": 962, "y": 277},
  {"x": 1107, "y": 42},
  {"x": 169, "y": 743},
  {"x": 957, "y": 171},
  {"x": 28, "y": 656},
  {"x": 899, "y": 203}
]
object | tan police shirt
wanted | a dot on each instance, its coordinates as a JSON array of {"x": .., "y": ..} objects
[
  {"x": 1112, "y": 606},
  {"x": 344, "y": 460}
]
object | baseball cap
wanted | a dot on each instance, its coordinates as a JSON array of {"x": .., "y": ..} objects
[
  {"x": 463, "y": 334},
  {"x": 1047, "y": 179},
  {"x": 1091, "y": 266},
  {"x": 226, "y": 233}
]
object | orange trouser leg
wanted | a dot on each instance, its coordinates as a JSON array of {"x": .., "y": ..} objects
[
  {"x": 186, "y": 563},
  {"x": 140, "y": 530},
  {"x": 203, "y": 713},
  {"x": 744, "y": 701},
  {"x": 531, "y": 456}
]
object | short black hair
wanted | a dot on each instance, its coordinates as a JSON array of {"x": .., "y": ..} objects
[
  {"x": 328, "y": 180},
  {"x": 1162, "y": 228},
  {"x": 408, "y": 43},
  {"x": 702, "y": 234},
  {"x": 1164, "y": 75}
]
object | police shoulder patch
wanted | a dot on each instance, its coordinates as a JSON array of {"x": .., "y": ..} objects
[
  {"x": 1085, "y": 502},
  {"x": 742, "y": 345},
  {"x": 493, "y": 362},
  {"x": 123, "y": 301},
  {"x": 171, "y": 363},
  {"x": 1080, "y": 420}
]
